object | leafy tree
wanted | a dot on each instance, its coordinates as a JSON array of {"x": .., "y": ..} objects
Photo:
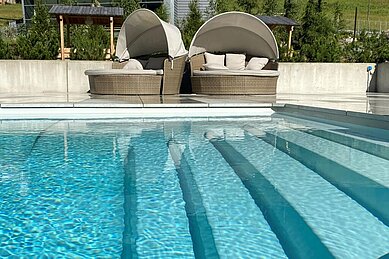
[
  {"x": 41, "y": 40},
  {"x": 89, "y": 42},
  {"x": 162, "y": 12},
  {"x": 128, "y": 6},
  {"x": 290, "y": 9},
  {"x": 192, "y": 22},
  {"x": 270, "y": 7}
]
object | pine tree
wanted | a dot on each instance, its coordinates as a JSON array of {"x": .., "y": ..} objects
[
  {"x": 290, "y": 9},
  {"x": 249, "y": 6},
  {"x": 192, "y": 22},
  {"x": 270, "y": 7},
  {"x": 318, "y": 37},
  {"x": 210, "y": 11},
  {"x": 223, "y": 6},
  {"x": 42, "y": 39},
  {"x": 162, "y": 12}
]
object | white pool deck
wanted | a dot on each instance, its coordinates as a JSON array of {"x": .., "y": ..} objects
[{"x": 90, "y": 106}]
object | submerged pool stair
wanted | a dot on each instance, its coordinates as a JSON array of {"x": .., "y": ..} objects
[
  {"x": 200, "y": 229},
  {"x": 238, "y": 226},
  {"x": 300, "y": 233},
  {"x": 356, "y": 143},
  {"x": 296, "y": 237},
  {"x": 130, "y": 234},
  {"x": 339, "y": 221},
  {"x": 371, "y": 194},
  {"x": 156, "y": 216}
]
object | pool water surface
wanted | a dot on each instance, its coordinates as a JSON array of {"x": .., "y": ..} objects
[{"x": 256, "y": 187}]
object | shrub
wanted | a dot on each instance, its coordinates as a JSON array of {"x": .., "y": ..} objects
[
  {"x": 368, "y": 47},
  {"x": 3, "y": 48},
  {"x": 89, "y": 42}
]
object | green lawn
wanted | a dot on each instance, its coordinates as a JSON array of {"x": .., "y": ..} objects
[
  {"x": 10, "y": 12},
  {"x": 379, "y": 12}
]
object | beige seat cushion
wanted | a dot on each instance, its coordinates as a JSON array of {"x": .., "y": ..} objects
[
  {"x": 97, "y": 72},
  {"x": 271, "y": 73},
  {"x": 212, "y": 67}
]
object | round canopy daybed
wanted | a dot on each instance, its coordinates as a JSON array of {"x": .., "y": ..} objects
[
  {"x": 234, "y": 33},
  {"x": 157, "y": 45}
]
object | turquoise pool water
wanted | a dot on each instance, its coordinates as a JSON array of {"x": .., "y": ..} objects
[{"x": 263, "y": 187}]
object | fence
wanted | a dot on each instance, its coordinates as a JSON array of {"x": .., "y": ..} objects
[{"x": 367, "y": 25}]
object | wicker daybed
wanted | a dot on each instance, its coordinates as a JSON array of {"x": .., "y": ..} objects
[
  {"x": 158, "y": 48},
  {"x": 234, "y": 32}
]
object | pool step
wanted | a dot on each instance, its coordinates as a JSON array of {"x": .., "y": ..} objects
[
  {"x": 369, "y": 142},
  {"x": 353, "y": 142},
  {"x": 130, "y": 233},
  {"x": 162, "y": 225},
  {"x": 296, "y": 237},
  {"x": 343, "y": 225},
  {"x": 201, "y": 232},
  {"x": 330, "y": 164},
  {"x": 239, "y": 228}
]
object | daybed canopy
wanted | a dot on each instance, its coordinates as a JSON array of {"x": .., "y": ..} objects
[
  {"x": 235, "y": 32},
  {"x": 143, "y": 33}
]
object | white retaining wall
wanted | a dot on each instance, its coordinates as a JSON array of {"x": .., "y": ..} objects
[
  {"x": 316, "y": 78},
  {"x": 37, "y": 76},
  {"x": 46, "y": 76}
]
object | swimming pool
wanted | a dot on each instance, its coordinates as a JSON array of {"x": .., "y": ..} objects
[{"x": 260, "y": 187}]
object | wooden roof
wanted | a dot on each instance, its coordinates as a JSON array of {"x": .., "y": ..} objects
[
  {"x": 277, "y": 20},
  {"x": 88, "y": 14}
]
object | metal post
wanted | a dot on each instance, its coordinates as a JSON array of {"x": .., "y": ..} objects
[{"x": 355, "y": 23}]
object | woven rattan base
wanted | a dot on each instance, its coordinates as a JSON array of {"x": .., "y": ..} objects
[
  {"x": 125, "y": 84},
  {"x": 234, "y": 85}
]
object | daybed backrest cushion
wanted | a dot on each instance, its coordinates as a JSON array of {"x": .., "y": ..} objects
[
  {"x": 257, "y": 63},
  {"x": 213, "y": 67},
  {"x": 133, "y": 64},
  {"x": 236, "y": 61},
  {"x": 214, "y": 59},
  {"x": 155, "y": 63}
]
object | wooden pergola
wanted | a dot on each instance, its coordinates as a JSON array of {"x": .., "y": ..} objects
[
  {"x": 111, "y": 16},
  {"x": 274, "y": 21}
]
